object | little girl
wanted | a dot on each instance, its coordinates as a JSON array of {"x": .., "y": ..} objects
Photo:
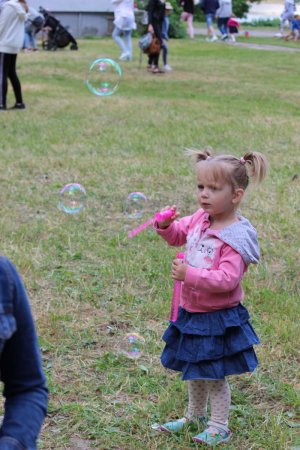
[{"x": 212, "y": 337}]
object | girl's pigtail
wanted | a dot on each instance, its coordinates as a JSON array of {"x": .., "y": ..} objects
[
  {"x": 199, "y": 155},
  {"x": 256, "y": 165}
]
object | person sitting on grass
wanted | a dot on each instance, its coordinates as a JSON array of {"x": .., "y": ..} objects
[{"x": 295, "y": 29}]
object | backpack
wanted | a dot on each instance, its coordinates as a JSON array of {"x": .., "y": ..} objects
[{"x": 145, "y": 42}]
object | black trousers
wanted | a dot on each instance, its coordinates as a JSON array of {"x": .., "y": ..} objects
[{"x": 8, "y": 71}]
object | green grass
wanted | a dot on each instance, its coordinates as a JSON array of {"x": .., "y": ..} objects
[{"x": 89, "y": 285}]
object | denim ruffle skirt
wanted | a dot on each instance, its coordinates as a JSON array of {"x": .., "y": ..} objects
[{"x": 210, "y": 345}]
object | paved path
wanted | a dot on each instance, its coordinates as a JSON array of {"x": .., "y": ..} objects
[
  {"x": 253, "y": 32},
  {"x": 276, "y": 48},
  {"x": 258, "y": 33}
]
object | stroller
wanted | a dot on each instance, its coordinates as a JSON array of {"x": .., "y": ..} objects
[{"x": 54, "y": 34}]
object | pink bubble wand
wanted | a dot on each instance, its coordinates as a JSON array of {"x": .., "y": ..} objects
[
  {"x": 176, "y": 294},
  {"x": 159, "y": 217}
]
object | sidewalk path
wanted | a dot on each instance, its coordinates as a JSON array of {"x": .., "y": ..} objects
[
  {"x": 253, "y": 32},
  {"x": 257, "y": 33}
]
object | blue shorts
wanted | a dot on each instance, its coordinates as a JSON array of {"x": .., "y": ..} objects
[{"x": 209, "y": 19}]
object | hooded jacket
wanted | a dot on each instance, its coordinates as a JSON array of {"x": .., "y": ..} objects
[
  {"x": 12, "y": 20},
  {"x": 216, "y": 259}
]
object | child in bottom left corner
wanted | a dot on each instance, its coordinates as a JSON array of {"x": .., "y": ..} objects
[{"x": 212, "y": 337}]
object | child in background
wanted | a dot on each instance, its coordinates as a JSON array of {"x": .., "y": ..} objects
[
  {"x": 165, "y": 30},
  {"x": 233, "y": 27},
  {"x": 295, "y": 29},
  {"x": 212, "y": 337},
  {"x": 187, "y": 15}
]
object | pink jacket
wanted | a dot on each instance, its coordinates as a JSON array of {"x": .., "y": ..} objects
[{"x": 217, "y": 260}]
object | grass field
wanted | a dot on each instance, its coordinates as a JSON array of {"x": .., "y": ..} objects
[{"x": 89, "y": 284}]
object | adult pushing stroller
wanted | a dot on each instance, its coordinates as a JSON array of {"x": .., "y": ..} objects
[{"x": 57, "y": 36}]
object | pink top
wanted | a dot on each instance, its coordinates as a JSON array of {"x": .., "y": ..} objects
[
  {"x": 233, "y": 23},
  {"x": 215, "y": 268}
]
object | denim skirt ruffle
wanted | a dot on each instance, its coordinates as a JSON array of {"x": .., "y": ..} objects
[{"x": 210, "y": 345}]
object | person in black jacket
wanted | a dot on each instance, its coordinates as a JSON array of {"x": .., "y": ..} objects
[
  {"x": 187, "y": 15},
  {"x": 156, "y": 15},
  {"x": 209, "y": 8}
]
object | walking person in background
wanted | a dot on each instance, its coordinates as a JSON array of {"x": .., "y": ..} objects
[
  {"x": 12, "y": 18},
  {"x": 212, "y": 337},
  {"x": 287, "y": 15},
  {"x": 156, "y": 14},
  {"x": 165, "y": 31},
  {"x": 209, "y": 7},
  {"x": 124, "y": 24},
  {"x": 223, "y": 14},
  {"x": 187, "y": 15},
  {"x": 33, "y": 24}
]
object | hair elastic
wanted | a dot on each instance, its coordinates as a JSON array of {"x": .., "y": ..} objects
[{"x": 242, "y": 160}]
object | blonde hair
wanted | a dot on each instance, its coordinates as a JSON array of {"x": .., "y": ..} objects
[{"x": 236, "y": 171}]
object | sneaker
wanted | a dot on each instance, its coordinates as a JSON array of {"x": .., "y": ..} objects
[
  {"x": 224, "y": 37},
  {"x": 175, "y": 426},
  {"x": 214, "y": 39},
  {"x": 124, "y": 57},
  {"x": 18, "y": 106},
  {"x": 167, "y": 68},
  {"x": 213, "y": 436}
]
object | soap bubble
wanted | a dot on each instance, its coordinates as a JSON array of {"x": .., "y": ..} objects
[
  {"x": 132, "y": 345},
  {"x": 135, "y": 205},
  {"x": 72, "y": 198},
  {"x": 103, "y": 77}
]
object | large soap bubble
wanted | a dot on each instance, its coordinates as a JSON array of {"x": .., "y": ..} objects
[
  {"x": 103, "y": 77},
  {"x": 135, "y": 205},
  {"x": 72, "y": 198}
]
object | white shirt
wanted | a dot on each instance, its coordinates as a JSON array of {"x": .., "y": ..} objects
[{"x": 124, "y": 14}]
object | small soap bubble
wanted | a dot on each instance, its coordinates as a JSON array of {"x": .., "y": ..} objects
[
  {"x": 103, "y": 77},
  {"x": 132, "y": 345},
  {"x": 72, "y": 198},
  {"x": 135, "y": 205}
]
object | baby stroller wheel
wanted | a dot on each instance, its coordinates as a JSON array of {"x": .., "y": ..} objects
[{"x": 74, "y": 47}]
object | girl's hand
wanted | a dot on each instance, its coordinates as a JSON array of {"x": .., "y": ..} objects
[
  {"x": 178, "y": 270},
  {"x": 165, "y": 223},
  {"x": 150, "y": 28}
]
